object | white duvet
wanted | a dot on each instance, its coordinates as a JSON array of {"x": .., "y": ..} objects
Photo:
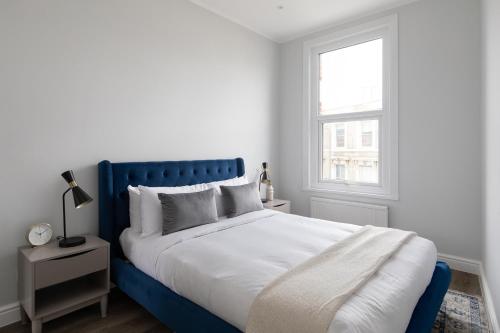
[{"x": 223, "y": 266}]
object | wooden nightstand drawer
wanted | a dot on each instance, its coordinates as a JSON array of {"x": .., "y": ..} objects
[{"x": 61, "y": 269}]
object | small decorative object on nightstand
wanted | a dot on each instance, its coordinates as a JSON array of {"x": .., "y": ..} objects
[
  {"x": 54, "y": 281},
  {"x": 279, "y": 205},
  {"x": 266, "y": 180},
  {"x": 39, "y": 234}
]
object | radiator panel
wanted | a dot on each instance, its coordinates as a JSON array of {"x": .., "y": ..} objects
[{"x": 349, "y": 212}]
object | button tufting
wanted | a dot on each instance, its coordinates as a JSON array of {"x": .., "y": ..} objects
[
  {"x": 149, "y": 175},
  {"x": 181, "y": 173},
  {"x": 195, "y": 172},
  {"x": 165, "y": 173}
]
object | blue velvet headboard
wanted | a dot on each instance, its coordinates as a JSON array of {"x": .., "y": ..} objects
[{"x": 115, "y": 177}]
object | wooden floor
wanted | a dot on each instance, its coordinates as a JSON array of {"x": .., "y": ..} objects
[
  {"x": 126, "y": 316},
  {"x": 466, "y": 283}
]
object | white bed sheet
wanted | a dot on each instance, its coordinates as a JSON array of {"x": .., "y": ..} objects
[{"x": 223, "y": 266}]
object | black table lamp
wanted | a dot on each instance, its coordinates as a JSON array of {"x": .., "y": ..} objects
[{"x": 81, "y": 198}]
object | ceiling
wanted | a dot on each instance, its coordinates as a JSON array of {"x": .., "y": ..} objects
[{"x": 284, "y": 20}]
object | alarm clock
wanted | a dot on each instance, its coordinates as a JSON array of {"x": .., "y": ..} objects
[{"x": 39, "y": 234}]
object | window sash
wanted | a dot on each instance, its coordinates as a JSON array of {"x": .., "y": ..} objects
[
  {"x": 321, "y": 180},
  {"x": 338, "y": 47}
]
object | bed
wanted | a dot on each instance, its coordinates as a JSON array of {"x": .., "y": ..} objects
[{"x": 175, "y": 311}]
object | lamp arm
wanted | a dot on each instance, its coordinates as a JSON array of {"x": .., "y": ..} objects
[{"x": 64, "y": 210}]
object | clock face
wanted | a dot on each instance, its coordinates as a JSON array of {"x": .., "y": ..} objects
[{"x": 39, "y": 234}]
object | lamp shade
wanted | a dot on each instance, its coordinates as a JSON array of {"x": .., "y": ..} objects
[{"x": 80, "y": 197}]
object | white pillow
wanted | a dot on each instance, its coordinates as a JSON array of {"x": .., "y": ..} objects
[
  {"x": 221, "y": 210},
  {"x": 134, "y": 196},
  {"x": 151, "y": 211},
  {"x": 228, "y": 182}
]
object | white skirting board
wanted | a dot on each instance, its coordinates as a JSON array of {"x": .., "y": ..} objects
[
  {"x": 9, "y": 314},
  {"x": 488, "y": 300},
  {"x": 461, "y": 264}
]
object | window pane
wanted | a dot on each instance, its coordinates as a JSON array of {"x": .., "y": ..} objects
[
  {"x": 367, "y": 134},
  {"x": 351, "y": 79},
  {"x": 352, "y": 156},
  {"x": 340, "y": 132}
]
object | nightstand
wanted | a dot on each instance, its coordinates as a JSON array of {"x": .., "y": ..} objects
[
  {"x": 279, "y": 205},
  {"x": 54, "y": 281}
]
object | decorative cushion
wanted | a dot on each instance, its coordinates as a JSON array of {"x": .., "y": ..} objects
[
  {"x": 187, "y": 210},
  {"x": 221, "y": 209},
  {"x": 151, "y": 210},
  {"x": 241, "y": 199}
]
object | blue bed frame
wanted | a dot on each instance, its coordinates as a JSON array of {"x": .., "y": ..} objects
[{"x": 177, "y": 312}]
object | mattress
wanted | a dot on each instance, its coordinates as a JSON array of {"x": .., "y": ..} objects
[{"x": 223, "y": 266}]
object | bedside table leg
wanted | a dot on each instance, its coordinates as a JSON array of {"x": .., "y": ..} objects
[
  {"x": 36, "y": 326},
  {"x": 104, "y": 306}
]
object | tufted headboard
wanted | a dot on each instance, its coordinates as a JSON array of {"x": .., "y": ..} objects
[{"x": 115, "y": 177}]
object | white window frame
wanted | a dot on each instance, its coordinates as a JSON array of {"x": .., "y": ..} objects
[{"x": 386, "y": 28}]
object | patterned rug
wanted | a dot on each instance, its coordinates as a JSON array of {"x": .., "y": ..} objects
[{"x": 462, "y": 313}]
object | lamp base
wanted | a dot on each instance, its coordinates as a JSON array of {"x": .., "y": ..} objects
[{"x": 72, "y": 241}]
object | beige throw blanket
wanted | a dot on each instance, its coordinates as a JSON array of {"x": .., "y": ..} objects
[{"x": 306, "y": 298}]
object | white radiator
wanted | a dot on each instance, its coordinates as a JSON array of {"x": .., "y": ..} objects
[{"x": 349, "y": 212}]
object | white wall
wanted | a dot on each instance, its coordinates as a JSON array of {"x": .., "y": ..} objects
[
  {"x": 82, "y": 81},
  {"x": 439, "y": 124},
  {"x": 491, "y": 123}
]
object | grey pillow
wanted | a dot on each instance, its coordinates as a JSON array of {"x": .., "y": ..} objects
[
  {"x": 241, "y": 199},
  {"x": 187, "y": 210}
]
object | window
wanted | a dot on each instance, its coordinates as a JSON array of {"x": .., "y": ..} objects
[
  {"x": 367, "y": 134},
  {"x": 350, "y": 113},
  {"x": 340, "y": 171},
  {"x": 340, "y": 131}
]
